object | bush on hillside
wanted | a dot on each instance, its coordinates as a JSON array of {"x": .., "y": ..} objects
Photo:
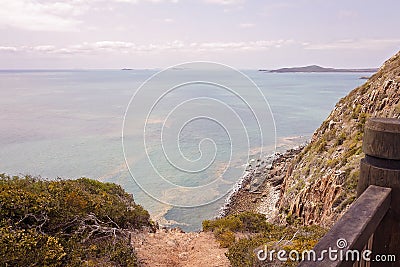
[
  {"x": 66, "y": 223},
  {"x": 242, "y": 251}
]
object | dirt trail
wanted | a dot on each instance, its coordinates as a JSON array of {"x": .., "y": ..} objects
[{"x": 176, "y": 248}]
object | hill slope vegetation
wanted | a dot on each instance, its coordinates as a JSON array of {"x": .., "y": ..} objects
[{"x": 67, "y": 223}]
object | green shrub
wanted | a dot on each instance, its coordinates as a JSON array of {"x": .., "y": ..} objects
[
  {"x": 332, "y": 162},
  {"x": 352, "y": 180},
  {"x": 362, "y": 118},
  {"x": 340, "y": 139},
  {"x": 242, "y": 222},
  {"x": 242, "y": 251},
  {"x": 225, "y": 237},
  {"x": 231, "y": 223},
  {"x": 67, "y": 222},
  {"x": 253, "y": 222},
  {"x": 356, "y": 111},
  {"x": 27, "y": 247},
  {"x": 320, "y": 146}
]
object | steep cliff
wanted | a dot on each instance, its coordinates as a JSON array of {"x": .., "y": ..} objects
[{"x": 321, "y": 181}]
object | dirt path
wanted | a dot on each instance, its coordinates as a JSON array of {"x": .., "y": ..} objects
[{"x": 177, "y": 249}]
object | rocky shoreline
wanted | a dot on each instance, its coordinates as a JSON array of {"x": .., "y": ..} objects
[{"x": 259, "y": 190}]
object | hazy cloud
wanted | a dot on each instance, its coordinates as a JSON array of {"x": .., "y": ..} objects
[
  {"x": 225, "y": 2},
  {"x": 35, "y": 15},
  {"x": 8, "y": 49},
  {"x": 247, "y": 25},
  {"x": 353, "y": 44},
  {"x": 48, "y": 15},
  {"x": 347, "y": 14},
  {"x": 129, "y": 47}
]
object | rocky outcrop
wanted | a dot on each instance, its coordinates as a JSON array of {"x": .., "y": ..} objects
[
  {"x": 322, "y": 179},
  {"x": 260, "y": 189},
  {"x": 315, "y": 68}
]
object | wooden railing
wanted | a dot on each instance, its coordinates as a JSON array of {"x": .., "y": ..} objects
[{"x": 368, "y": 234}]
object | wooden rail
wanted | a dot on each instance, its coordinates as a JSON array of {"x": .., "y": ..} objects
[
  {"x": 355, "y": 228},
  {"x": 372, "y": 224}
]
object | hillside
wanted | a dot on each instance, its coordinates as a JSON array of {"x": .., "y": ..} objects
[
  {"x": 316, "y": 68},
  {"x": 322, "y": 178},
  {"x": 307, "y": 189}
]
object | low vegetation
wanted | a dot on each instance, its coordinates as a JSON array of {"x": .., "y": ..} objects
[
  {"x": 245, "y": 233},
  {"x": 67, "y": 223}
]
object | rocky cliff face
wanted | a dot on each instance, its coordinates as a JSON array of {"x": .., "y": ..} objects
[{"x": 321, "y": 181}]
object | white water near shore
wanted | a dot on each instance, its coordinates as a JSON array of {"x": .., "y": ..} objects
[{"x": 283, "y": 145}]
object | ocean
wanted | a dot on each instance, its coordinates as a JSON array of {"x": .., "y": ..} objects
[{"x": 178, "y": 147}]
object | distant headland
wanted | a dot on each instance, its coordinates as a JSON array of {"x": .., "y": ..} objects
[{"x": 316, "y": 68}]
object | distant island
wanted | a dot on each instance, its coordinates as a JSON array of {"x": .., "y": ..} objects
[{"x": 316, "y": 68}]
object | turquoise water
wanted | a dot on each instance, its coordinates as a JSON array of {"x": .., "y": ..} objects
[{"x": 69, "y": 123}]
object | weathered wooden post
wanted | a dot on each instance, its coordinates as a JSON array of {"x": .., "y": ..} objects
[{"x": 381, "y": 167}]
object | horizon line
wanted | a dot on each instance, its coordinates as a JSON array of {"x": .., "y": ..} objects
[{"x": 161, "y": 68}]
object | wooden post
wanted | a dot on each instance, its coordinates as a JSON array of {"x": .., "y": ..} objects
[{"x": 381, "y": 167}]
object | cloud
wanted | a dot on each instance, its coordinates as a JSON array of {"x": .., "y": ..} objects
[
  {"x": 137, "y": 1},
  {"x": 115, "y": 47},
  {"x": 44, "y": 48},
  {"x": 225, "y": 2},
  {"x": 35, "y": 15},
  {"x": 270, "y": 8},
  {"x": 8, "y": 49},
  {"x": 49, "y": 15},
  {"x": 347, "y": 14},
  {"x": 129, "y": 47},
  {"x": 350, "y": 44},
  {"x": 246, "y": 25}
]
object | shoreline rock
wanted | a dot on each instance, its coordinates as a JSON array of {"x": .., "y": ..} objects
[{"x": 259, "y": 190}]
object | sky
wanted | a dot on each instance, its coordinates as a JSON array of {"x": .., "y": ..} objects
[{"x": 246, "y": 34}]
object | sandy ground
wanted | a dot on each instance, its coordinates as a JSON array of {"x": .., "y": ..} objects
[{"x": 176, "y": 248}]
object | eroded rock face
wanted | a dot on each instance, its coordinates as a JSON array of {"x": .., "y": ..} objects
[{"x": 321, "y": 182}]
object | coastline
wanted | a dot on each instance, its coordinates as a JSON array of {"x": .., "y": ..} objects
[{"x": 259, "y": 189}]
